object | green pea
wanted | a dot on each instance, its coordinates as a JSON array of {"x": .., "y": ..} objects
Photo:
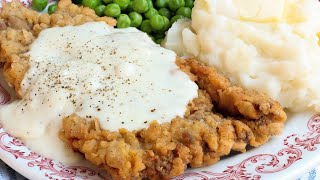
[
  {"x": 77, "y": 1},
  {"x": 123, "y": 21},
  {"x": 112, "y": 10},
  {"x": 189, "y": 3},
  {"x": 159, "y": 36},
  {"x": 130, "y": 8},
  {"x": 122, "y": 3},
  {"x": 39, "y": 5},
  {"x": 165, "y": 12},
  {"x": 52, "y": 8},
  {"x": 107, "y": 1},
  {"x": 152, "y": 38},
  {"x": 150, "y": 3},
  {"x": 162, "y": 3},
  {"x": 91, "y": 3},
  {"x": 176, "y": 4},
  {"x": 100, "y": 10},
  {"x": 176, "y": 18},
  {"x": 184, "y": 11},
  {"x": 151, "y": 12},
  {"x": 136, "y": 19},
  {"x": 166, "y": 25},
  {"x": 145, "y": 26},
  {"x": 157, "y": 22},
  {"x": 140, "y": 6},
  {"x": 159, "y": 41}
]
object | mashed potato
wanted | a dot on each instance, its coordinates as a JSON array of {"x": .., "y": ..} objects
[{"x": 267, "y": 45}]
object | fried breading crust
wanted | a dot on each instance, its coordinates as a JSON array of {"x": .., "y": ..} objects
[
  {"x": 199, "y": 139},
  {"x": 161, "y": 151},
  {"x": 234, "y": 100},
  {"x": 19, "y": 26}
]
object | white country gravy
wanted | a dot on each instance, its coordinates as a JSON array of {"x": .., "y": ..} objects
[{"x": 119, "y": 76}]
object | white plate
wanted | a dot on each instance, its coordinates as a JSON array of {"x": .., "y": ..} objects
[{"x": 287, "y": 156}]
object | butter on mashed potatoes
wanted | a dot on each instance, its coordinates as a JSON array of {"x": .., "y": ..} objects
[{"x": 268, "y": 45}]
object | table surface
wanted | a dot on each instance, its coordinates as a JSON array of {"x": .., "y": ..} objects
[{"x": 6, "y": 173}]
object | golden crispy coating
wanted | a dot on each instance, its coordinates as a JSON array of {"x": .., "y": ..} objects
[
  {"x": 235, "y": 100},
  {"x": 19, "y": 26},
  {"x": 199, "y": 139}
]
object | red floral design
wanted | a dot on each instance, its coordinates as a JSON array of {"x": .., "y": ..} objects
[
  {"x": 59, "y": 170},
  {"x": 53, "y": 170},
  {"x": 312, "y": 138},
  {"x": 12, "y": 145},
  {"x": 267, "y": 163}
]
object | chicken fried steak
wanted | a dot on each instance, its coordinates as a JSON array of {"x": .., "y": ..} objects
[{"x": 223, "y": 118}]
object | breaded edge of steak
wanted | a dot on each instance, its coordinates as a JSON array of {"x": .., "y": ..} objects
[
  {"x": 19, "y": 27},
  {"x": 165, "y": 150},
  {"x": 233, "y": 100}
]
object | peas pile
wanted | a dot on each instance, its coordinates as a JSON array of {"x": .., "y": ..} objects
[{"x": 154, "y": 17}]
